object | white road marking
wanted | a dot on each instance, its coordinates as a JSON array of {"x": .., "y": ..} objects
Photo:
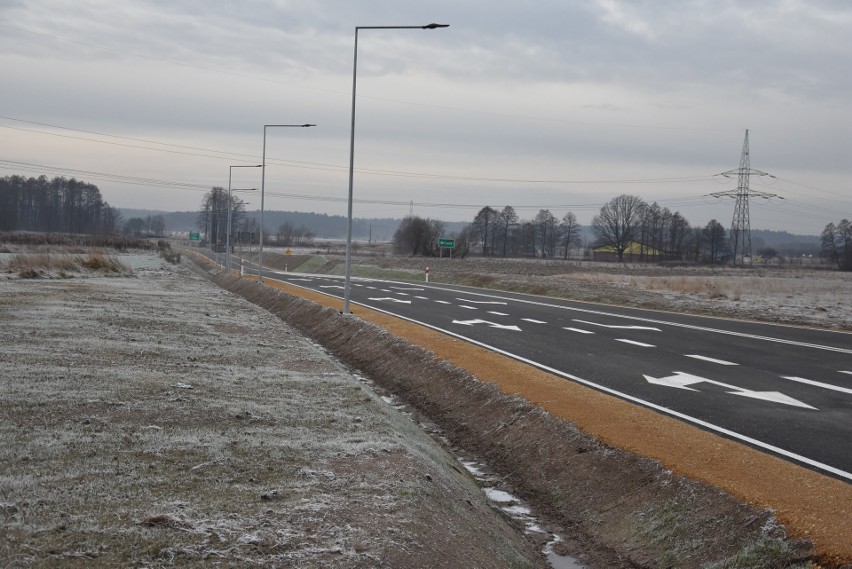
[
  {"x": 819, "y": 384},
  {"x": 712, "y": 360},
  {"x": 533, "y": 320},
  {"x": 490, "y": 324},
  {"x": 402, "y": 293},
  {"x": 617, "y": 327},
  {"x": 443, "y": 302},
  {"x": 482, "y": 301},
  {"x": 421, "y": 297},
  {"x": 468, "y": 307},
  {"x": 391, "y": 299},
  {"x": 331, "y": 286},
  {"x": 407, "y": 288},
  {"x": 635, "y": 343},
  {"x": 644, "y": 402},
  {"x": 579, "y": 330},
  {"x": 371, "y": 288},
  {"x": 847, "y": 372},
  {"x": 495, "y": 313},
  {"x": 303, "y": 280},
  {"x": 681, "y": 380},
  {"x": 669, "y": 323}
]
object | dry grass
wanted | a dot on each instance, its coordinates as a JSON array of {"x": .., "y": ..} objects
[{"x": 47, "y": 264}]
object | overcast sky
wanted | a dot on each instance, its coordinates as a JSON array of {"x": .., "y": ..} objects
[{"x": 553, "y": 104}]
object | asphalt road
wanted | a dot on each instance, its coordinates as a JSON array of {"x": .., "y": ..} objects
[{"x": 785, "y": 390}]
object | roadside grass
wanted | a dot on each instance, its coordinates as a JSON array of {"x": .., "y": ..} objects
[{"x": 682, "y": 540}]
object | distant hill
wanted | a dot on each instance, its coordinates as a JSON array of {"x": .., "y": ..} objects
[
  {"x": 323, "y": 225},
  {"x": 785, "y": 243}
]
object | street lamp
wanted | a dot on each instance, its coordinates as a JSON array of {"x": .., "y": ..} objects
[
  {"x": 228, "y": 239},
  {"x": 348, "y": 270},
  {"x": 262, "y": 187}
]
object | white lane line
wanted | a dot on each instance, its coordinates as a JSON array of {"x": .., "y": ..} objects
[
  {"x": 635, "y": 343},
  {"x": 847, "y": 372},
  {"x": 533, "y": 320},
  {"x": 711, "y": 360},
  {"x": 495, "y": 313},
  {"x": 443, "y": 302},
  {"x": 668, "y": 323},
  {"x": 819, "y": 384},
  {"x": 578, "y": 330},
  {"x": 468, "y": 307},
  {"x": 371, "y": 287},
  {"x": 407, "y": 288},
  {"x": 617, "y": 326},
  {"x": 421, "y": 297},
  {"x": 402, "y": 293},
  {"x": 482, "y": 301}
]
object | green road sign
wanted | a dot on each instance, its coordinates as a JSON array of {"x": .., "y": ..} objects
[
  {"x": 447, "y": 243},
  {"x": 194, "y": 236}
]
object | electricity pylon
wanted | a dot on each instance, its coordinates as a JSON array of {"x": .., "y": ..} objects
[{"x": 740, "y": 224}]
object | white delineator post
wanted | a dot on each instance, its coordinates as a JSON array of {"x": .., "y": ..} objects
[{"x": 427, "y": 274}]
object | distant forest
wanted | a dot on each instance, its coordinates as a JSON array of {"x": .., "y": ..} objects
[
  {"x": 59, "y": 205},
  {"x": 321, "y": 225}
]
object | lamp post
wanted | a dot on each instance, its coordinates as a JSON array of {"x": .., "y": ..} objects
[
  {"x": 262, "y": 188},
  {"x": 228, "y": 238},
  {"x": 348, "y": 269}
]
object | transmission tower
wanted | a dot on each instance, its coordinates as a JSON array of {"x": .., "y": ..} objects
[{"x": 740, "y": 224}]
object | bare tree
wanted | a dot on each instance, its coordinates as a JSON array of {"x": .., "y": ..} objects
[
  {"x": 570, "y": 233},
  {"x": 545, "y": 227},
  {"x": 617, "y": 225},
  {"x": 484, "y": 228},
  {"x": 508, "y": 219},
  {"x": 417, "y": 236},
  {"x": 715, "y": 237}
]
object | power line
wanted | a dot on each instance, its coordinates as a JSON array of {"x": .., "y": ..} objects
[{"x": 225, "y": 155}]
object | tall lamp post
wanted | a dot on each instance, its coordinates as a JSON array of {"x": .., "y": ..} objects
[
  {"x": 348, "y": 270},
  {"x": 228, "y": 239},
  {"x": 262, "y": 190}
]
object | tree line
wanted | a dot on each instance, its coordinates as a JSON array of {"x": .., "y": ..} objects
[
  {"x": 60, "y": 205},
  {"x": 625, "y": 228}
]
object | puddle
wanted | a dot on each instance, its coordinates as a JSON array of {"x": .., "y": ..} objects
[{"x": 515, "y": 508}]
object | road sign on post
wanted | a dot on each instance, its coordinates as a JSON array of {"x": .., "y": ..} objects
[
  {"x": 447, "y": 243},
  {"x": 194, "y": 236}
]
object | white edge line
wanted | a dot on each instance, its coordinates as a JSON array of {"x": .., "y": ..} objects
[{"x": 619, "y": 394}]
